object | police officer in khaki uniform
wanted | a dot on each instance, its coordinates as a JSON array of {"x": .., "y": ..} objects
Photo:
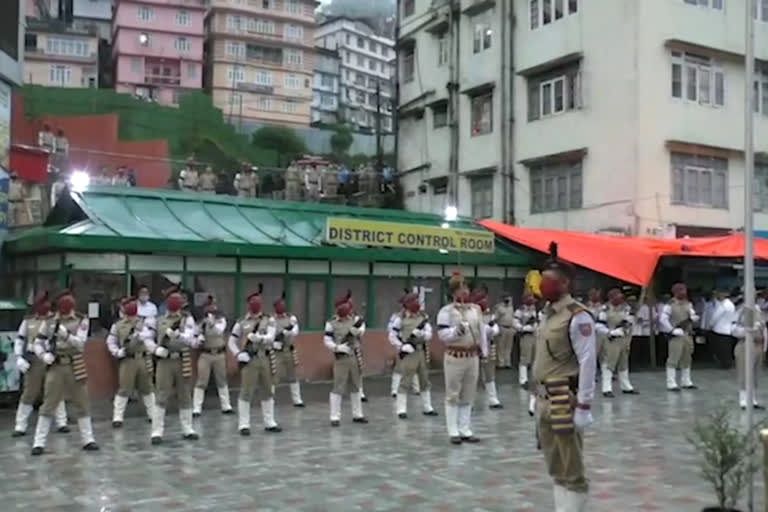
[
  {"x": 175, "y": 337},
  {"x": 595, "y": 306},
  {"x": 410, "y": 333},
  {"x": 677, "y": 319},
  {"x": 615, "y": 323},
  {"x": 189, "y": 178},
  {"x": 32, "y": 367},
  {"x": 251, "y": 342},
  {"x": 208, "y": 181},
  {"x": 59, "y": 344},
  {"x": 246, "y": 181},
  {"x": 564, "y": 371},
  {"x": 460, "y": 326},
  {"x": 488, "y": 364},
  {"x": 212, "y": 359},
  {"x": 343, "y": 333},
  {"x": 285, "y": 351},
  {"x": 739, "y": 331},
  {"x": 526, "y": 321},
  {"x": 125, "y": 342},
  {"x": 505, "y": 316},
  {"x": 397, "y": 373}
]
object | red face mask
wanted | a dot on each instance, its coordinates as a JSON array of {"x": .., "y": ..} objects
[
  {"x": 529, "y": 301},
  {"x": 131, "y": 308},
  {"x": 254, "y": 305},
  {"x": 462, "y": 295},
  {"x": 483, "y": 303},
  {"x": 280, "y": 308},
  {"x": 617, "y": 300},
  {"x": 551, "y": 289},
  {"x": 414, "y": 306},
  {"x": 344, "y": 309},
  {"x": 66, "y": 304},
  {"x": 174, "y": 302},
  {"x": 42, "y": 308}
]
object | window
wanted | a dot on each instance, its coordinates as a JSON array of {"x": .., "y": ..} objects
[
  {"x": 699, "y": 180},
  {"x": 372, "y": 82},
  {"x": 544, "y": 12},
  {"x": 349, "y": 39},
  {"x": 289, "y": 107},
  {"x": 697, "y": 79},
  {"x": 383, "y": 67},
  {"x": 554, "y": 92},
  {"x": 236, "y": 99},
  {"x": 69, "y": 47},
  {"x": 482, "y": 37},
  {"x": 191, "y": 70},
  {"x": 761, "y": 91},
  {"x": 372, "y": 100},
  {"x": 236, "y": 74},
  {"x": 182, "y": 18},
  {"x": 440, "y": 116},
  {"x": 145, "y": 13},
  {"x": 182, "y": 44},
  {"x": 60, "y": 75},
  {"x": 294, "y": 32},
  {"x": 92, "y": 82},
  {"x": 235, "y": 49},
  {"x": 360, "y": 42},
  {"x": 293, "y": 6},
  {"x": 760, "y": 186},
  {"x": 372, "y": 65},
  {"x": 136, "y": 65},
  {"x": 714, "y": 4},
  {"x": 347, "y": 56},
  {"x": 760, "y": 11},
  {"x": 327, "y": 100},
  {"x": 360, "y": 95},
  {"x": 293, "y": 81},
  {"x": 442, "y": 50},
  {"x": 263, "y": 26},
  {"x": 372, "y": 46},
  {"x": 482, "y": 197},
  {"x": 482, "y": 114},
  {"x": 263, "y": 77},
  {"x": 556, "y": 186},
  {"x": 361, "y": 61},
  {"x": 409, "y": 63},
  {"x": 293, "y": 57},
  {"x": 234, "y": 23},
  {"x": 265, "y": 4},
  {"x": 408, "y": 7},
  {"x": 263, "y": 103}
]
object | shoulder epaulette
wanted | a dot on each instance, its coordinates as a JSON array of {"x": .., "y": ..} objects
[{"x": 575, "y": 308}]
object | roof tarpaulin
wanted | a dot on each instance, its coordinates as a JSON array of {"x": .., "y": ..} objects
[{"x": 627, "y": 258}]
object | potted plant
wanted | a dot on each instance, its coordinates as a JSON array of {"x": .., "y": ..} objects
[{"x": 727, "y": 456}]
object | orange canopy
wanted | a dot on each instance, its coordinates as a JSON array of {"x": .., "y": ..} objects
[{"x": 627, "y": 258}]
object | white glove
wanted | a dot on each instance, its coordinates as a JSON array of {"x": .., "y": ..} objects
[
  {"x": 417, "y": 333},
  {"x": 407, "y": 348},
  {"x": 161, "y": 352},
  {"x": 288, "y": 332},
  {"x": 243, "y": 357},
  {"x": 354, "y": 331},
  {"x": 528, "y": 328},
  {"x": 582, "y": 419},
  {"x": 63, "y": 332},
  {"x": 617, "y": 332},
  {"x": 254, "y": 337},
  {"x": 49, "y": 358},
  {"x": 343, "y": 349},
  {"x": 171, "y": 333},
  {"x": 277, "y": 345},
  {"x": 120, "y": 353},
  {"x": 22, "y": 364},
  {"x": 678, "y": 332}
]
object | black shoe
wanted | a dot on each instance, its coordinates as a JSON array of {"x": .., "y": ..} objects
[
  {"x": 273, "y": 430},
  {"x": 364, "y": 399},
  {"x": 630, "y": 391},
  {"x": 455, "y": 440},
  {"x": 335, "y": 423},
  {"x": 149, "y": 420},
  {"x": 525, "y": 386},
  {"x": 608, "y": 394},
  {"x": 430, "y": 413},
  {"x": 394, "y": 395},
  {"x": 91, "y": 447},
  {"x": 18, "y": 433},
  {"x": 402, "y": 416},
  {"x": 245, "y": 432},
  {"x": 191, "y": 437},
  {"x": 360, "y": 420},
  {"x": 117, "y": 424},
  {"x": 228, "y": 412},
  {"x": 692, "y": 386},
  {"x": 299, "y": 405},
  {"x": 63, "y": 429},
  {"x": 37, "y": 450},
  {"x": 469, "y": 439},
  {"x": 758, "y": 407},
  {"x": 531, "y": 414},
  {"x": 673, "y": 390},
  {"x": 157, "y": 440},
  {"x": 496, "y": 406},
  {"x": 195, "y": 414}
]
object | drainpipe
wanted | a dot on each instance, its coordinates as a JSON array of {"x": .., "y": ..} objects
[
  {"x": 453, "y": 104},
  {"x": 505, "y": 117},
  {"x": 396, "y": 100}
]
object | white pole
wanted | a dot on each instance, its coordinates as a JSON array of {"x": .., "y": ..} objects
[{"x": 749, "y": 260}]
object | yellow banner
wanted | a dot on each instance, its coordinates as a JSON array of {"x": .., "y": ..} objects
[{"x": 410, "y": 236}]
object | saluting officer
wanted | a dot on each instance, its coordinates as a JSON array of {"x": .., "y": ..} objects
[
  {"x": 32, "y": 367},
  {"x": 526, "y": 321},
  {"x": 212, "y": 359},
  {"x": 488, "y": 364},
  {"x": 59, "y": 344},
  {"x": 125, "y": 342},
  {"x": 251, "y": 342},
  {"x": 284, "y": 346}
]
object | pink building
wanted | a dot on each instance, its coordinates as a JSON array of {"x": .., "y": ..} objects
[{"x": 158, "y": 47}]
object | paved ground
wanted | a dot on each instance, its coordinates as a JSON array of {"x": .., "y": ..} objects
[{"x": 637, "y": 458}]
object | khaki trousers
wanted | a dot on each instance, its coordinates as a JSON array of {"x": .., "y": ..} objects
[
  {"x": 256, "y": 376},
  {"x": 60, "y": 384},
  {"x": 460, "y": 379},
  {"x": 132, "y": 375},
  {"x": 346, "y": 371},
  {"x": 527, "y": 342},
  {"x": 414, "y": 364},
  {"x": 617, "y": 354},
  {"x": 34, "y": 381},
  {"x": 505, "y": 340},
  {"x": 487, "y": 370},
  {"x": 739, "y": 353},
  {"x": 680, "y": 352},
  {"x": 211, "y": 362},
  {"x": 285, "y": 366},
  {"x": 601, "y": 341},
  {"x": 168, "y": 377},
  {"x": 562, "y": 452}
]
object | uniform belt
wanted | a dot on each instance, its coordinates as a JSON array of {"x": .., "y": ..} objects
[
  {"x": 174, "y": 355},
  {"x": 507, "y": 326},
  {"x": 541, "y": 389},
  {"x": 462, "y": 352},
  {"x": 213, "y": 351},
  {"x": 64, "y": 360}
]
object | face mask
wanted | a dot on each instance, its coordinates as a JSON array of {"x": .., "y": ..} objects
[
  {"x": 174, "y": 302},
  {"x": 617, "y": 300},
  {"x": 131, "y": 309},
  {"x": 344, "y": 310},
  {"x": 143, "y": 297},
  {"x": 254, "y": 305},
  {"x": 462, "y": 295},
  {"x": 280, "y": 308},
  {"x": 42, "y": 308},
  {"x": 413, "y": 306},
  {"x": 529, "y": 301},
  {"x": 550, "y": 289},
  {"x": 66, "y": 305},
  {"x": 483, "y": 304}
]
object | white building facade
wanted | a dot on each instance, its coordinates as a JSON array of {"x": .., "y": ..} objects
[
  {"x": 366, "y": 71},
  {"x": 628, "y": 116},
  {"x": 325, "y": 87}
]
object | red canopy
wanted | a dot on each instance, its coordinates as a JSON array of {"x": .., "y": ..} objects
[{"x": 627, "y": 258}]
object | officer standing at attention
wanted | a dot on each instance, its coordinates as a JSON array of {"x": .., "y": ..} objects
[
  {"x": 32, "y": 367},
  {"x": 189, "y": 178},
  {"x": 251, "y": 343},
  {"x": 595, "y": 306},
  {"x": 343, "y": 333},
  {"x": 59, "y": 344},
  {"x": 676, "y": 319},
  {"x": 212, "y": 359},
  {"x": 125, "y": 342},
  {"x": 488, "y": 364},
  {"x": 397, "y": 373},
  {"x": 460, "y": 326},
  {"x": 616, "y": 322},
  {"x": 564, "y": 371},
  {"x": 739, "y": 331},
  {"x": 284, "y": 346},
  {"x": 526, "y": 321},
  {"x": 175, "y": 337},
  {"x": 208, "y": 181},
  {"x": 505, "y": 315},
  {"x": 410, "y": 333}
]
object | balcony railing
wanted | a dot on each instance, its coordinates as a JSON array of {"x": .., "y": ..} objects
[
  {"x": 40, "y": 53},
  {"x": 162, "y": 79}
]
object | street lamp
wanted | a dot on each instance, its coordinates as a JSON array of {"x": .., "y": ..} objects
[{"x": 143, "y": 39}]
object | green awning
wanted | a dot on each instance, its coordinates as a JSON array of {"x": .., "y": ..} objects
[{"x": 152, "y": 221}]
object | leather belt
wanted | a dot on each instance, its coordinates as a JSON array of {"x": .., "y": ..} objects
[
  {"x": 174, "y": 355},
  {"x": 462, "y": 352},
  {"x": 213, "y": 351}
]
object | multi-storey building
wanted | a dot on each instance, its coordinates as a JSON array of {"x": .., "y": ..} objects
[
  {"x": 628, "y": 116},
  {"x": 259, "y": 60},
  {"x": 367, "y": 70},
  {"x": 57, "y": 55},
  {"x": 91, "y": 15},
  {"x": 325, "y": 88},
  {"x": 11, "y": 62},
  {"x": 157, "y": 47}
]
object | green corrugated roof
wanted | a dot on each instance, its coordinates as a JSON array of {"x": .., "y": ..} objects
[{"x": 163, "y": 221}]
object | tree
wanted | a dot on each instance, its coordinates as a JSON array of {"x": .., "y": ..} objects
[
  {"x": 283, "y": 140},
  {"x": 341, "y": 141}
]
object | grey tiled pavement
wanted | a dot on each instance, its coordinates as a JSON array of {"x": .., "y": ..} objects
[{"x": 636, "y": 455}]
